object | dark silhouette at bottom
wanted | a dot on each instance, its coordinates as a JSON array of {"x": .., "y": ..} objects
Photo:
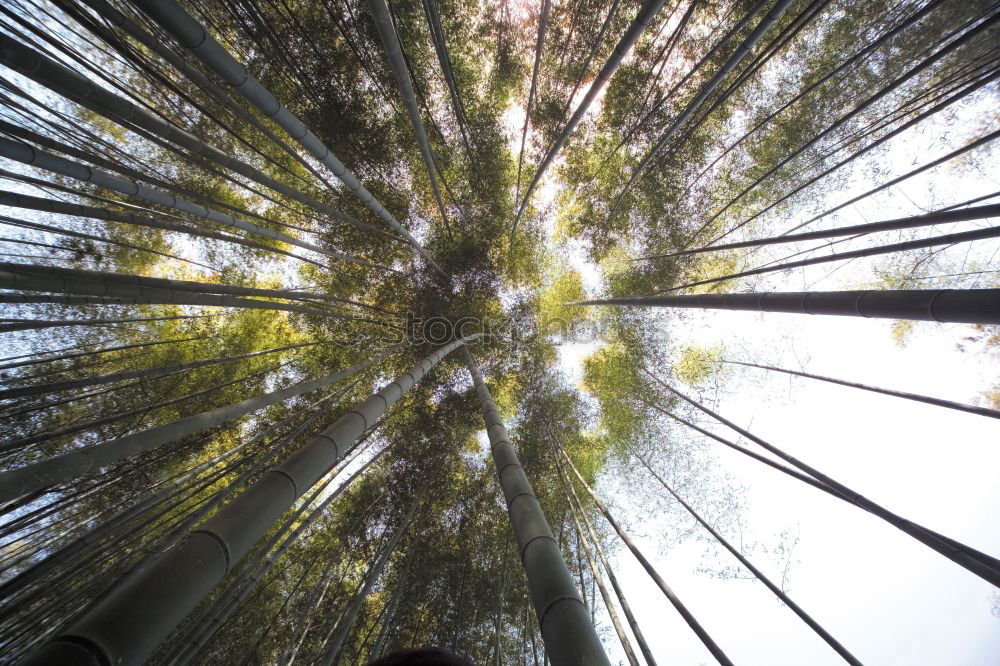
[{"x": 426, "y": 656}]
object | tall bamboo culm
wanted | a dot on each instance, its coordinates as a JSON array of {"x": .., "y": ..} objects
[
  {"x": 569, "y": 636},
  {"x": 390, "y": 41},
  {"x": 127, "y": 626},
  {"x": 963, "y": 306},
  {"x": 170, "y": 16},
  {"x": 57, "y": 469},
  {"x": 350, "y": 616}
]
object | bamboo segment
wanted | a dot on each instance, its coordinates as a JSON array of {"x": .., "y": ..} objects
[
  {"x": 90, "y": 459},
  {"x": 967, "y": 306},
  {"x": 170, "y": 16},
  {"x": 11, "y": 281},
  {"x": 441, "y": 47},
  {"x": 543, "y": 20},
  {"x": 94, "y": 535},
  {"x": 390, "y": 613},
  {"x": 48, "y": 143},
  {"x": 708, "y": 57},
  {"x": 566, "y": 629},
  {"x": 79, "y": 210},
  {"x": 390, "y": 41},
  {"x": 596, "y": 573},
  {"x": 229, "y": 601},
  {"x": 646, "y": 14}
]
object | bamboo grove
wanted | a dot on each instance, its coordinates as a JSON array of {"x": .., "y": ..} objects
[{"x": 285, "y": 281}]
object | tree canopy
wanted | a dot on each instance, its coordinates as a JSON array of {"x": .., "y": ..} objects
[{"x": 227, "y": 223}]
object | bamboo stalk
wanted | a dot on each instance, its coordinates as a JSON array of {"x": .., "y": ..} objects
[
  {"x": 675, "y": 601},
  {"x": 346, "y": 622},
  {"x": 939, "y": 402},
  {"x": 778, "y": 592},
  {"x": 128, "y": 625},
  {"x": 87, "y": 460},
  {"x": 968, "y": 306},
  {"x": 565, "y": 625},
  {"x": 170, "y": 16},
  {"x": 390, "y": 42},
  {"x": 974, "y": 561}
]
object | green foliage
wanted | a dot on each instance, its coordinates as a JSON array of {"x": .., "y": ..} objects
[{"x": 695, "y": 363}]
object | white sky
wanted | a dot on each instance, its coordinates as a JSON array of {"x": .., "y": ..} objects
[{"x": 886, "y": 597}]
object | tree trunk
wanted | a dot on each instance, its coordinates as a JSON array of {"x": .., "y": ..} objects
[
  {"x": 37, "y": 226},
  {"x": 982, "y": 141},
  {"x": 441, "y": 47},
  {"x": 968, "y": 306},
  {"x": 94, "y": 535},
  {"x": 24, "y": 153},
  {"x": 972, "y": 409},
  {"x": 302, "y": 626},
  {"x": 12, "y": 280},
  {"x": 856, "y": 58},
  {"x": 751, "y": 12},
  {"x": 202, "y": 81},
  {"x": 179, "y": 530},
  {"x": 86, "y": 460},
  {"x": 169, "y": 15},
  {"x": 79, "y": 210},
  {"x": 350, "y": 616},
  {"x": 125, "y": 171},
  {"x": 662, "y": 584},
  {"x": 497, "y": 624},
  {"x": 867, "y": 103},
  {"x": 138, "y": 282},
  {"x": 80, "y": 426},
  {"x": 79, "y": 354},
  {"x": 961, "y": 94},
  {"x": 569, "y": 636},
  {"x": 36, "y": 324}
]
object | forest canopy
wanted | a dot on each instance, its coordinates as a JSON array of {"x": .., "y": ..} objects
[{"x": 334, "y": 328}]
